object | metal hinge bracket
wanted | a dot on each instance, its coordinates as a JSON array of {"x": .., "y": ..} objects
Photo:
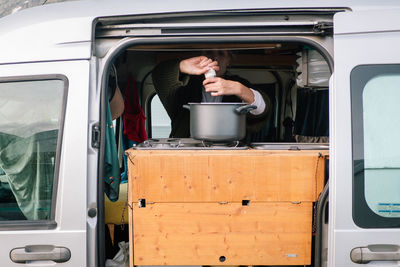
[{"x": 96, "y": 135}]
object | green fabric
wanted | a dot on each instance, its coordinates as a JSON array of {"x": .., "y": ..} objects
[
  {"x": 28, "y": 164},
  {"x": 9, "y": 210},
  {"x": 112, "y": 177}
]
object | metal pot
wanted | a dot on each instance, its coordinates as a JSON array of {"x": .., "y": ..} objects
[{"x": 218, "y": 122}]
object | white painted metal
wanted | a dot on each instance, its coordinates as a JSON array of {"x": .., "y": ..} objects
[
  {"x": 64, "y": 30},
  {"x": 71, "y": 196},
  {"x": 354, "y": 45}
]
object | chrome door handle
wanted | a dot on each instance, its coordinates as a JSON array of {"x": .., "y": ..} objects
[
  {"x": 363, "y": 255},
  {"x": 40, "y": 253}
]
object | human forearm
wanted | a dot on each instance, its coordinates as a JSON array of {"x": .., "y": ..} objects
[
  {"x": 244, "y": 93},
  {"x": 259, "y": 102},
  {"x": 253, "y": 97},
  {"x": 197, "y": 65},
  {"x": 218, "y": 86}
]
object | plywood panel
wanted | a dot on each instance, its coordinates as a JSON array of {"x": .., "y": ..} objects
[
  {"x": 201, "y": 233},
  {"x": 323, "y": 160},
  {"x": 231, "y": 176}
]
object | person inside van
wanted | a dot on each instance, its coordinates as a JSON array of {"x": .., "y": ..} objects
[{"x": 178, "y": 82}]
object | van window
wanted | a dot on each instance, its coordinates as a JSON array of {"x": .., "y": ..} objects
[
  {"x": 376, "y": 145},
  {"x": 160, "y": 122},
  {"x": 31, "y": 115}
]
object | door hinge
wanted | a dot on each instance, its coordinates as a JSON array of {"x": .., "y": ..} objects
[
  {"x": 96, "y": 135},
  {"x": 323, "y": 28}
]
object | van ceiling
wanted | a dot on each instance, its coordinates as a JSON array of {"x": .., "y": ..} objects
[{"x": 244, "y": 56}]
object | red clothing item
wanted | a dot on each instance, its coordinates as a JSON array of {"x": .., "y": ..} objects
[{"x": 134, "y": 118}]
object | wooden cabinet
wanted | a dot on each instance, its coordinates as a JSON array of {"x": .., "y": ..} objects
[
  {"x": 213, "y": 176},
  {"x": 249, "y": 207}
]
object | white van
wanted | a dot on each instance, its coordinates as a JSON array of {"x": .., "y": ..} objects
[{"x": 338, "y": 60}]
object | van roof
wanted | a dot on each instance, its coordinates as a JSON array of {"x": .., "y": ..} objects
[
  {"x": 64, "y": 30},
  {"x": 98, "y": 8}
]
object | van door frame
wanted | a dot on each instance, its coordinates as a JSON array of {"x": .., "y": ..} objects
[{"x": 108, "y": 50}]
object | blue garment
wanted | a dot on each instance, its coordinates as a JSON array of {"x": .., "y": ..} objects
[
  {"x": 126, "y": 144},
  {"x": 112, "y": 171}
]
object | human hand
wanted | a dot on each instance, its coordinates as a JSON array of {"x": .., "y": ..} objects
[
  {"x": 197, "y": 65},
  {"x": 218, "y": 86}
]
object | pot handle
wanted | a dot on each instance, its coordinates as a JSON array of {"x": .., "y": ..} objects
[
  {"x": 186, "y": 106},
  {"x": 245, "y": 109}
]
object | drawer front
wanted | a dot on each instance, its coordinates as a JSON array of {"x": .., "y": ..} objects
[
  {"x": 213, "y": 177},
  {"x": 221, "y": 234}
]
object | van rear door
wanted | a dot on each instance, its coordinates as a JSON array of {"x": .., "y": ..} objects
[
  {"x": 365, "y": 143},
  {"x": 43, "y": 163}
]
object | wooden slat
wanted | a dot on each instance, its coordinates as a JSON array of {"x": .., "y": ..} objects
[
  {"x": 131, "y": 227},
  {"x": 215, "y": 176},
  {"x": 323, "y": 159},
  {"x": 199, "y": 234}
]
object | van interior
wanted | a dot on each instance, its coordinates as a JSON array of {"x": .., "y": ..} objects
[
  {"x": 294, "y": 75},
  {"x": 291, "y": 74}
]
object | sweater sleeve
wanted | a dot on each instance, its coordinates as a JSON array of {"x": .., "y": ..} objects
[
  {"x": 258, "y": 102},
  {"x": 167, "y": 79},
  {"x": 256, "y": 122}
]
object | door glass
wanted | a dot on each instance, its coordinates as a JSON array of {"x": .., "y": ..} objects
[
  {"x": 160, "y": 122},
  {"x": 31, "y": 115},
  {"x": 382, "y": 144},
  {"x": 376, "y": 145}
]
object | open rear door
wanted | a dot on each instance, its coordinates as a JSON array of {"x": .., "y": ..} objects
[{"x": 365, "y": 126}]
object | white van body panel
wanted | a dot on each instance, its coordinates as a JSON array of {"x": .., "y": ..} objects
[
  {"x": 60, "y": 37},
  {"x": 71, "y": 199},
  {"x": 378, "y": 21},
  {"x": 64, "y": 31},
  {"x": 47, "y": 41},
  {"x": 361, "y": 38}
]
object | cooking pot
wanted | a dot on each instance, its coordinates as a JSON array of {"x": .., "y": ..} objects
[{"x": 218, "y": 122}]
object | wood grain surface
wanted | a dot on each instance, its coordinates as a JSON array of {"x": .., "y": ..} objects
[
  {"x": 214, "y": 176},
  {"x": 200, "y": 234}
]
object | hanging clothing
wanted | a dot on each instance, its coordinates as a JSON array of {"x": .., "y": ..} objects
[
  {"x": 134, "y": 118},
  {"x": 134, "y": 130},
  {"x": 126, "y": 144},
  {"x": 112, "y": 172}
]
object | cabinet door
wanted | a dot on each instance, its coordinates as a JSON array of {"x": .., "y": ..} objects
[
  {"x": 365, "y": 121},
  {"x": 275, "y": 233},
  {"x": 43, "y": 163}
]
